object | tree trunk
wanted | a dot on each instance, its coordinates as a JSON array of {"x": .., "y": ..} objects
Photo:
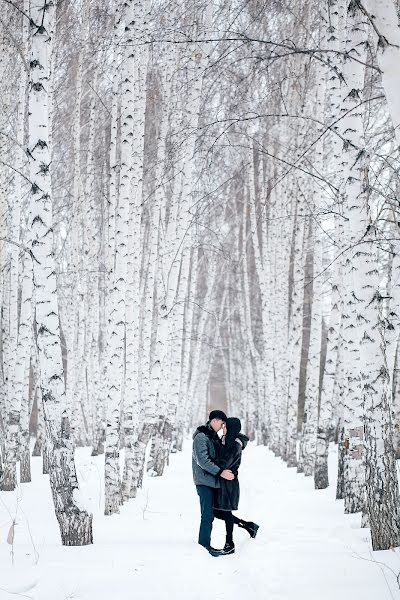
[
  {"x": 296, "y": 331},
  {"x": 384, "y": 18},
  {"x": 352, "y": 130},
  {"x": 309, "y": 439},
  {"x": 321, "y": 478},
  {"x": 75, "y": 524}
]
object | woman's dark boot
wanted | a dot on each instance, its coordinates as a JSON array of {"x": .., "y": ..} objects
[
  {"x": 229, "y": 548},
  {"x": 250, "y": 527}
]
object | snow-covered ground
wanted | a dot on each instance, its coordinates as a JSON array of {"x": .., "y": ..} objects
[{"x": 306, "y": 549}]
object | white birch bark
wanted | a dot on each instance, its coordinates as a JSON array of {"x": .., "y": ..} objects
[
  {"x": 272, "y": 252},
  {"x": 282, "y": 338},
  {"x": 75, "y": 344},
  {"x": 296, "y": 331},
  {"x": 175, "y": 243},
  {"x": 312, "y": 392},
  {"x": 15, "y": 340},
  {"x": 309, "y": 439},
  {"x": 338, "y": 403},
  {"x": 321, "y": 478},
  {"x": 91, "y": 263},
  {"x": 396, "y": 402},
  {"x": 38, "y": 448},
  {"x": 353, "y": 199},
  {"x": 25, "y": 475},
  {"x": 254, "y": 362},
  {"x": 382, "y": 490},
  {"x": 19, "y": 402},
  {"x": 270, "y": 325},
  {"x": 262, "y": 280},
  {"x": 384, "y": 19},
  {"x": 198, "y": 332},
  {"x": 117, "y": 278},
  {"x": 75, "y": 524},
  {"x": 183, "y": 418},
  {"x": 333, "y": 14},
  {"x": 132, "y": 391}
]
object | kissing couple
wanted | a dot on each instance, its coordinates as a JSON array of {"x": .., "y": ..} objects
[{"x": 215, "y": 465}]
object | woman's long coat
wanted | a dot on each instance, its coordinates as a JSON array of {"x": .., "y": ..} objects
[{"x": 227, "y": 496}]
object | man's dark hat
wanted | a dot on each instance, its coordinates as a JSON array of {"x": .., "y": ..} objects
[{"x": 217, "y": 414}]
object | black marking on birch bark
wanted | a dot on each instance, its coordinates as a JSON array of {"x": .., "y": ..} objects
[
  {"x": 30, "y": 155},
  {"x": 35, "y": 63},
  {"x": 47, "y": 396},
  {"x": 56, "y": 378},
  {"x": 43, "y": 329},
  {"x": 48, "y": 5},
  {"x": 359, "y": 156},
  {"x": 37, "y": 86},
  {"x": 14, "y": 418},
  {"x": 355, "y": 297},
  {"x": 43, "y": 169},
  {"x": 37, "y": 219},
  {"x": 41, "y": 144}
]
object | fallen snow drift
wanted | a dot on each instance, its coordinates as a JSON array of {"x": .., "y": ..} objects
[{"x": 306, "y": 549}]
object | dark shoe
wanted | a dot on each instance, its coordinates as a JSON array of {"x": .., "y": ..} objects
[
  {"x": 227, "y": 549},
  {"x": 250, "y": 527},
  {"x": 211, "y": 550}
]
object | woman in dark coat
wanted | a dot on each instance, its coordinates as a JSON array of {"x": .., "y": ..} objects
[{"x": 227, "y": 496}]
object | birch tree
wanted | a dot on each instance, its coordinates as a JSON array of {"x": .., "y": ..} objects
[{"x": 75, "y": 523}]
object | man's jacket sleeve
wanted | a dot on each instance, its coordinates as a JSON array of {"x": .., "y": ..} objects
[{"x": 202, "y": 456}]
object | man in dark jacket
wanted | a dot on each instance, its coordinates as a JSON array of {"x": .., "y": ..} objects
[{"x": 206, "y": 472}]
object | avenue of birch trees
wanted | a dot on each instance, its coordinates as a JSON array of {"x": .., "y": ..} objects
[{"x": 194, "y": 192}]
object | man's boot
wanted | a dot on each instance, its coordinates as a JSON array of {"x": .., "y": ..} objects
[
  {"x": 229, "y": 548},
  {"x": 212, "y": 551}
]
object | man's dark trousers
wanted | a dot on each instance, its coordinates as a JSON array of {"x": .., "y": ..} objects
[{"x": 206, "y": 495}]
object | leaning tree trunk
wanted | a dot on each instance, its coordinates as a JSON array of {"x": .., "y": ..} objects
[{"x": 75, "y": 523}]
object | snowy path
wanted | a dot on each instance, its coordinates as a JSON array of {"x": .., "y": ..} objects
[{"x": 307, "y": 549}]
